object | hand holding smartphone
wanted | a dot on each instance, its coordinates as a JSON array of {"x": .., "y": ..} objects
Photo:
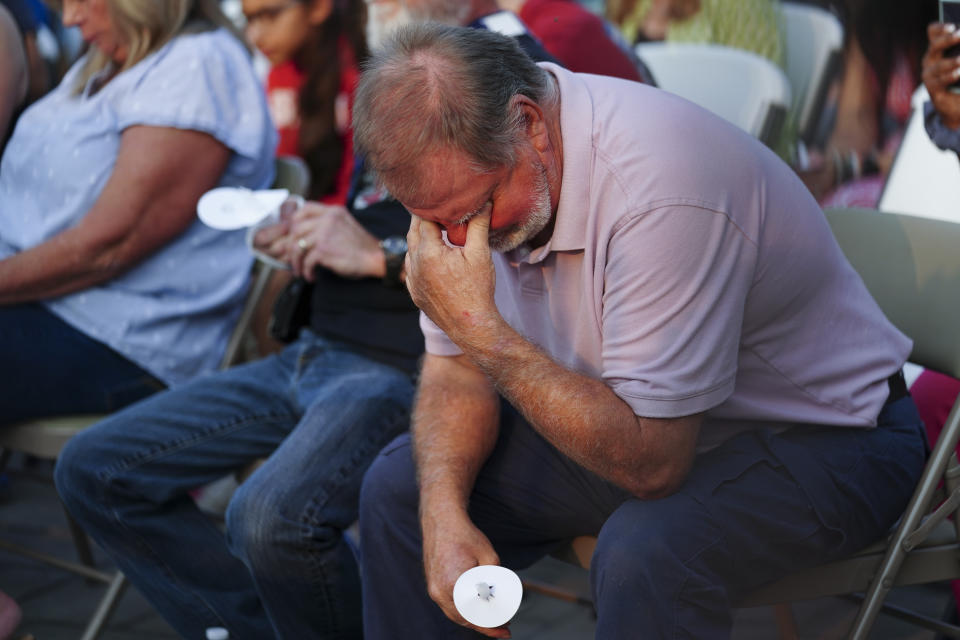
[{"x": 950, "y": 14}]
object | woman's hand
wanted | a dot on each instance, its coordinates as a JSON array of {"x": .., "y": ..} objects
[{"x": 939, "y": 72}]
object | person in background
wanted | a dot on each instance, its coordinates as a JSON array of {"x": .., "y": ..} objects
[
  {"x": 29, "y": 25},
  {"x": 14, "y": 75},
  {"x": 480, "y": 14},
  {"x": 314, "y": 47},
  {"x": 110, "y": 288},
  {"x": 885, "y": 40},
  {"x": 625, "y": 301},
  {"x": 10, "y": 615},
  {"x": 753, "y": 25},
  {"x": 576, "y": 37},
  {"x": 940, "y": 73}
]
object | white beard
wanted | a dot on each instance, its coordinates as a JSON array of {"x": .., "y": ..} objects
[
  {"x": 385, "y": 16},
  {"x": 537, "y": 219},
  {"x": 382, "y": 19}
]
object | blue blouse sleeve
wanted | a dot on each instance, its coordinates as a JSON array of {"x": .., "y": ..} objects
[
  {"x": 203, "y": 82},
  {"x": 944, "y": 137}
]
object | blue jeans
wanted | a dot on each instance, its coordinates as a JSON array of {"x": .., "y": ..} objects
[
  {"x": 48, "y": 368},
  {"x": 754, "y": 509},
  {"x": 319, "y": 413}
]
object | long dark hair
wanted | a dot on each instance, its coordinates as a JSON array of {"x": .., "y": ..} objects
[
  {"x": 320, "y": 144},
  {"x": 886, "y": 28}
]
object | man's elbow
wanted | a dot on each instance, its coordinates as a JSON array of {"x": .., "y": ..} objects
[{"x": 656, "y": 484}]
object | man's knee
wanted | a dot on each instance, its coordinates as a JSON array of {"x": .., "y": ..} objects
[
  {"x": 78, "y": 471},
  {"x": 264, "y": 520},
  {"x": 389, "y": 486},
  {"x": 643, "y": 541}
]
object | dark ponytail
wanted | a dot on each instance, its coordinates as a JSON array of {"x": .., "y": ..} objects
[{"x": 320, "y": 144}]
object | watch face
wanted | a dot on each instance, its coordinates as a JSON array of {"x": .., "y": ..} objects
[{"x": 394, "y": 244}]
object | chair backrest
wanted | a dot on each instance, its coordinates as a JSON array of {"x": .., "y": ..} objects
[
  {"x": 911, "y": 266},
  {"x": 739, "y": 86},
  {"x": 290, "y": 173},
  {"x": 924, "y": 180},
  {"x": 813, "y": 39}
]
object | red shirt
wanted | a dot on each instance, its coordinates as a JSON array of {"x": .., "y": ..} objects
[
  {"x": 283, "y": 97},
  {"x": 577, "y": 38}
]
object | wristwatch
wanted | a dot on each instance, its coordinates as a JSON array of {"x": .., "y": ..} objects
[{"x": 394, "y": 251}]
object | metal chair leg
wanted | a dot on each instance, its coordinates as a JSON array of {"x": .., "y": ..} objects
[
  {"x": 786, "y": 623},
  {"x": 106, "y": 607},
  {"x": 80, "y": 540}
]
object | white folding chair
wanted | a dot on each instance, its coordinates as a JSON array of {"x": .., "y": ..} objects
[
  {"x": 814, "y": 55},
  {"x": 739, "y": 86},
  {"x": 924, "y": 180},
  {"x": 911, "y": 265}
]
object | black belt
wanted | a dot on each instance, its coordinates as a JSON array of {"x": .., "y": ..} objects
[{"x": 898, "y": 387}]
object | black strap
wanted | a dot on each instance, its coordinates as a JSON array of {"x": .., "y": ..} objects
[{"x": 898, "y": 387}]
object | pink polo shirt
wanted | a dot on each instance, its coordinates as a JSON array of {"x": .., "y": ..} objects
[{"x": 691, "y": 271}]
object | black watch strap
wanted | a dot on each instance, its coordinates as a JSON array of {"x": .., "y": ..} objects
[{"x": 394, "y": 251}]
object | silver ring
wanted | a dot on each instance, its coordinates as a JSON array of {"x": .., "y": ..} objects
[{"x": 303, "y": 244}]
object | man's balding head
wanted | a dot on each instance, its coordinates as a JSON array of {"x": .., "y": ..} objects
[{"x": 436, "y": 88}]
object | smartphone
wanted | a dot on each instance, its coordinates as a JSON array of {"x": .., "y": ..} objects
[{"x": 950, "y": 13}]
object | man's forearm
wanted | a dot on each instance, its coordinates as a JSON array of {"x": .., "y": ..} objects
[
  {"x": 583, "y": 417},
  {"x": 455, "y": 426}
]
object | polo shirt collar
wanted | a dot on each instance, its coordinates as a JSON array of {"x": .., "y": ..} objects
[{"x": 576, "y": 130}]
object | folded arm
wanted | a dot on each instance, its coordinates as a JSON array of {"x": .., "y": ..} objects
[
  {"x": 149, "y": 200},
  {"x": 580, "y": 415}
]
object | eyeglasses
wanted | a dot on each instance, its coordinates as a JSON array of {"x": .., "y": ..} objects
[{"x": 268, "y": 15}]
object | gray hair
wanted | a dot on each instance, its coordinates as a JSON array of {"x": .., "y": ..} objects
[
  {"x": 452, "y": 12},
  {"x": 433, "y": 87}
]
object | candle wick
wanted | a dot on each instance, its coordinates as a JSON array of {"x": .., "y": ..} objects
[{"x": 484, "y": 591}]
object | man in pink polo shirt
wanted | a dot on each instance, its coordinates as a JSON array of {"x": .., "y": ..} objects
[{"x": 638, "y": 326}]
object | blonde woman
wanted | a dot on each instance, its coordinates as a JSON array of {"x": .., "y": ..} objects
[
  {"x": 109, "y": 286},
  {"x": 745, "y": 24}
]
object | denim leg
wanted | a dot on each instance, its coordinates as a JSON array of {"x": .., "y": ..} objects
[
  {"x": 126, "y": 481},
  {"x": 48, "y": 368},
  {"x": 319, "y": 413},
  {"x": 286, "y": 521}
]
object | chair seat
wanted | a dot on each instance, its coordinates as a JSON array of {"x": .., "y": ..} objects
[
  {"x": 938, "y": 555},
  {"x": 45, "y": 437},
  {"x": 936, "y": 558}
]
